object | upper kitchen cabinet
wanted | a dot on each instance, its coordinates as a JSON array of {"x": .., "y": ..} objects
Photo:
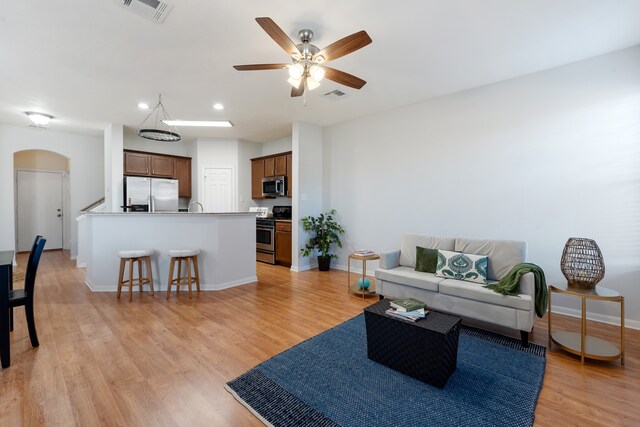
[
  {"x": 136, "y": 163},
  {"x": 268, "y": 166},
  {"x": 139, "y": 163},
  {"x": 257, "y": 173},
  {"x": 280, "y": 165},
  {"x": 162, "y": 166},
  {"x": 183, "y": 175}
]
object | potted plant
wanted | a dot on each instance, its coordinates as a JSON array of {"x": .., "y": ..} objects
[{"x": 325, "y": 232}]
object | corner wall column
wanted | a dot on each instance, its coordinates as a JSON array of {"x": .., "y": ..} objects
[{"x": 113, "y": 166}]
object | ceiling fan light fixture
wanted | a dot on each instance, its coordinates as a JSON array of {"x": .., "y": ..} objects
[
  {"x": 294, "y": 82},
  {"x": 316, "y": 73},
  {"x": 312, "y": 84},
  {"x": 296, "y": 71}
]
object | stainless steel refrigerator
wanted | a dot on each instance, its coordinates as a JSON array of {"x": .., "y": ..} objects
[{"x": 157, "y": 194}]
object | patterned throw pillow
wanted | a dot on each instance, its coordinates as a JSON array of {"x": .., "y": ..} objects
[{"x": 456, "y": 265}]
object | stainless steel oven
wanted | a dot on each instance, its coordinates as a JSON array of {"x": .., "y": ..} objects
[{"x": 266, "y": 240}]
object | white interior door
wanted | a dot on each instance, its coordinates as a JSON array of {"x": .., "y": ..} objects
[
  {"x": 39, "y": 208},
  {"x": 219, "y": 190}
]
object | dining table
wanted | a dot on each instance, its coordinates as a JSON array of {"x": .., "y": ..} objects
[{"x": 6, "y": 283}]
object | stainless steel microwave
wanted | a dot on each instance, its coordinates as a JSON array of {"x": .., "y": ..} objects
[{"x": 274, "y": 186}]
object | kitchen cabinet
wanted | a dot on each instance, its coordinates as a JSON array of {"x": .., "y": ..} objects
[
  {"x": 162, "y": 166},
  {"x": 289, "y": 160},
  {"x": 283, "y": 243},
  {"x": 183, "y": 175},
  {"x": 281, "y": 166},
  {"x": 269, "y": 167},
  {"x": 156, "y": 165},
  {"x": 136, "y": 163},
  {"x": 257, "y": 173}
]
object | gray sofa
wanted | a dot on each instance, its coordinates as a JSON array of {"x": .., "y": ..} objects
[{"x": 397, "y": 278}]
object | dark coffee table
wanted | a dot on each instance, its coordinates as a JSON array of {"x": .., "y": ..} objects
[{"x": 426, "y": 350}]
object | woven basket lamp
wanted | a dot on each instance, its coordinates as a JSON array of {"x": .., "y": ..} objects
[{"x": 582, "y": 263}]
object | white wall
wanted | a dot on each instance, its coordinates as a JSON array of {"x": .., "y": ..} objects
[
  {"x": 246, "y": 151},
  {"x": 307, "y": 186},
  {"x": 276, "y": 146},
  {"x": 86, "y": 177},
  {"x": 539, "y": 158},
  {"x": 133, "y": 142}
]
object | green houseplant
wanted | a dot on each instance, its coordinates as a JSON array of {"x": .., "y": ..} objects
[{"x": 325, "y": 232}]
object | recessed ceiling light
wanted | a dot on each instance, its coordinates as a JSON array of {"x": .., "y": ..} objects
[
  {"x": 218, "y": 106},
  {"x": 143, "y": 106},
  {"x": 200, "y": 123},
  {"x": 40, "y": 119}
]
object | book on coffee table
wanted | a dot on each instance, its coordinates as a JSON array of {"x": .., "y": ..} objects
[
  {"x": 394, "y": 313},
  {"x": 407, "y": 304}
]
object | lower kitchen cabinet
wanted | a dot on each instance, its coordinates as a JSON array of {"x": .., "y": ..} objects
[{"x": 283, "y": 243}]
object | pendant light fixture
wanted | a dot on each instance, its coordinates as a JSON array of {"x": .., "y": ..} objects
[{"x": 160, "y": 130}]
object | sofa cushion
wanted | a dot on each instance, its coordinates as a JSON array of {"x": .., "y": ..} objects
[
  {"x": 456, "y": 265},
  {"x": 503, "y": 254},
  {"x": 408, "y": 276},
  {"x": 410, "y": 241},
  {"x": 426, "y": 259},
  {"x": 477, "y": 292}
]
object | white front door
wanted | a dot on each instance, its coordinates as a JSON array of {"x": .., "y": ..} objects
[
  {"x": 39, "y": 208},
  {"x": 219, "y": 190}
]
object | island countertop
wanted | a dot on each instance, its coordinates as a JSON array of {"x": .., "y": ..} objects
[
  {"x": 173, "y": 213},
  {"x": 226, "y": 240}
]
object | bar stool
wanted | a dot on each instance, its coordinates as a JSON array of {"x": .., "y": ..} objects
[
  {"x": 189, "y": 257},
  {"x": 131, "y": 257}
]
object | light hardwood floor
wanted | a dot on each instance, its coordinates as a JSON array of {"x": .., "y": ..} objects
[{"x": 158, "y": 362}]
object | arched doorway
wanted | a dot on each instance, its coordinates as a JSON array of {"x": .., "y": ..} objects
[{"x": 41, "y": 198}]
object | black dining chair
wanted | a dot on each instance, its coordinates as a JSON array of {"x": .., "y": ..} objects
[{"x": 18, "y": 297}]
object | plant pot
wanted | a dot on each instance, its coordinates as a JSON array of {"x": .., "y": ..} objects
[{"x": 324, "y": 263}]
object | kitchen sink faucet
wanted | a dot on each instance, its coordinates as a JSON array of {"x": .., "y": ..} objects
[{"x": 195, "y": 203}]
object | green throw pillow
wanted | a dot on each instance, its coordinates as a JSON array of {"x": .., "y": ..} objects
[{"x": 426, "y": 259}]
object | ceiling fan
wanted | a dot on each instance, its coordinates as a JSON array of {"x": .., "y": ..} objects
[{"x": 307, "y": 67}]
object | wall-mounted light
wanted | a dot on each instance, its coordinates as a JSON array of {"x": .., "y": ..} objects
[{"x": 41, "y": 119}]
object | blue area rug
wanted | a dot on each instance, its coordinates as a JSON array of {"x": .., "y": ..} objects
[{"x": 329, "y": 381}]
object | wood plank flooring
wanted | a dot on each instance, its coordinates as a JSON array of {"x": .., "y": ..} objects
[{"x": 158, "y": 362}]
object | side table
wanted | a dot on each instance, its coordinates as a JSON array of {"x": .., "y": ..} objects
[
  {"x": 355, "y": 287},
  {"x": 581, "y": 344}
]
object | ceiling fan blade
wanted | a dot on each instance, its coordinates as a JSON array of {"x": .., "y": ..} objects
[
  {"x": 297, "y": 91},
  {"x": 255, "y": 67},
  {"x": 343, "y": 78},
  {"x": 344, "y": 46},
  {"x": 278, "y": 35}
]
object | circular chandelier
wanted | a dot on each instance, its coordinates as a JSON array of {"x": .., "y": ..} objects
[{"x": 160, "y": 130}]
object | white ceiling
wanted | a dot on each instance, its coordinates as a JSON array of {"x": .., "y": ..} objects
[{"x": 89, "y": 62}]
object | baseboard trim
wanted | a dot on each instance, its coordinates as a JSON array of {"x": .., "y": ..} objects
[
  {"x": 596, "y": 317},
  {"x": 81, "y": 264}
]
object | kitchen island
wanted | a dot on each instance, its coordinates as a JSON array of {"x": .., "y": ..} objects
[{"x": 226, "y": 242}]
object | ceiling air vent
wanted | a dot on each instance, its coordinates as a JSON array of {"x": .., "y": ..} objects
[
  {"x": 334, "y": 94},
  {"x": 154, "y": 10}
]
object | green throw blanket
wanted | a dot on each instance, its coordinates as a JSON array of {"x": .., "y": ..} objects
[{"x": 509, "y": 285}]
